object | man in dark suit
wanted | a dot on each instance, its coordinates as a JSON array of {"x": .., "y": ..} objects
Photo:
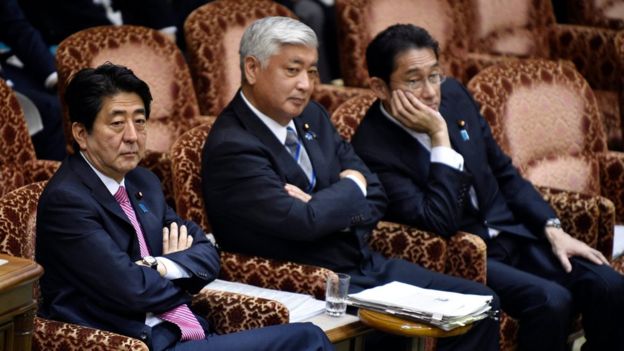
[
  {"x": 279, "y": 182},
  {"x": 443, "y": 172},
  {"x": 116, "y": 257}
]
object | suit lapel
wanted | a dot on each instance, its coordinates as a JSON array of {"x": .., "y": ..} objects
[
  {"x": 289, "y": 168},
  {"x": 98, "y": 189}
]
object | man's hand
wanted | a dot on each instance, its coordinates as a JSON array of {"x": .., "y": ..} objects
[
  {"x": 176, "y": 240},
  {"x": 356, "y": 174},
  {"x": 564, "y": 246},
  {"x": 415, "y": 115},
  {"x": 297, "y": 193}
]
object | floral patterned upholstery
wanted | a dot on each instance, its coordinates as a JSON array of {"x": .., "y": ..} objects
[
  {"x": 18, "y": 163},
  {"x": 153, "y": 58},
  {"x": 268, "y": 273},
  {"x": 360, "y": 20},
  {"x": 213, "y": 32},
  {"x": 228, "y": 312}
]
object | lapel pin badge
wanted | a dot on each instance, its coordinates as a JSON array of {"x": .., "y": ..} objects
[
  {"x": 139, "y": 195},
  {"x": 143, "y": 207},
  {"x": 462, "y": 130},
  {"x": 309, "y": 135}
]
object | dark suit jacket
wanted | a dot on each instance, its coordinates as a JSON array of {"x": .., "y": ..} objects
[
  {"x": 436, "y": 197},
  {"x": 88, "y": 247},
  {"x": 244, "y": 171}
]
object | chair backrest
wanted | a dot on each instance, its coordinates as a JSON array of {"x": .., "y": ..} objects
[
  {"x": 348, "y": 116},
  {"x": 360, "y": 20},
  {"x": 513, "y": 27},
  {"x": 153, "y": 58},
  {"x": 18, "y": 212},
  {"x": 545, "y": 117},
  {"x": 16, "y": 148},
  {"x": 186, "y": 154},
  {"x": 213, "y": 32}
]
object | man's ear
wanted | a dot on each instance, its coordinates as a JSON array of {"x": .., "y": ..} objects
[
  {"x": 380, "y": 88},
  {"x": 79, "y": 132},
  {"x": 252, "y": 67}
]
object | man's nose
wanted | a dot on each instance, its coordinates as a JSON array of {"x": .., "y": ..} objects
[
  {"x": 130, "y": 133},
  {"x": 304, "y": 82}
]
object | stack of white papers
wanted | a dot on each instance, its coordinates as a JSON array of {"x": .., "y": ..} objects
[
  {"x": 443, "y": 309},
  {"x": 300, "y": 306}
]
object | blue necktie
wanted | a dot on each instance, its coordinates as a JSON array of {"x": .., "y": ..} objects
[{"x": 295, "y": 147}]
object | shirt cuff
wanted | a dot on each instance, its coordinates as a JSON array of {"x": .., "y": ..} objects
[
  {"x": 169, "y": 30},
  {"x": 447, "y": 156},
  {"x": 174, "y": 270},
  {"x": 358, "y": 183}
]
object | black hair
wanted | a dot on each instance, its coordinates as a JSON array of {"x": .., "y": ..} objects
[
  {"x": 87, "y": 89},
  {"x": 383, "y": 50}
]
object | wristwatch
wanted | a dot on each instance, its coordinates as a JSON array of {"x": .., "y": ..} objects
[
  {"x": 150, "y": 261},
  {"x": 553, "y": 223}
]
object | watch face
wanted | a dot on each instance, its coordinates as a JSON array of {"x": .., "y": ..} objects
[{"x": 150, "y": 261}]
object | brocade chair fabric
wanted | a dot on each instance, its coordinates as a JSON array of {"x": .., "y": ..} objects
[
  {"x": 153, "y": 58},
  {"x": 227, "y": 312},
  {"x": 213, "y": 32},
  {"x": 18, "y": 163},
  {"x": 587, "y": 217},
  {"x": 253, "y": 270}
]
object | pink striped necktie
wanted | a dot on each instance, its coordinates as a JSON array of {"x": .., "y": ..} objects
[{"x": 181, "y": 315}]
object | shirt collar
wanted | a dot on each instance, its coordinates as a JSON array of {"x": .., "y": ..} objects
[
  {"x": 422, "y": 138},
  {"x": 277, "y": 129},
  {"x": 110, "y": 183}
]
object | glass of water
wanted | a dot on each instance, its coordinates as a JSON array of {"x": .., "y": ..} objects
[{"x": 336, "y": 294}]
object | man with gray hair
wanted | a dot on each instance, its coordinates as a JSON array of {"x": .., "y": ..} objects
[{"x": 278, "y": 181}]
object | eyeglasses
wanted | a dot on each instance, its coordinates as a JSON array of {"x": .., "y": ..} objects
[{"x": 435, "y": 79}]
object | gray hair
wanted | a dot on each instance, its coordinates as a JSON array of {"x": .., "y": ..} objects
[{"x": 264, "y": 37}]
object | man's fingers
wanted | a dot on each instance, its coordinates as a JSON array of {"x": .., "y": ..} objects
[
  {"x": 565, "y": 262},
  {"x": 165, "y": 240},
  {"x": 183, "y": 238},
  {"x": 297, "y": 193},
  {"x": 173, "y": 237}
]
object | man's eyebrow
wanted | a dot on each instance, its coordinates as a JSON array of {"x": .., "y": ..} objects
[{"x": 423, "y": 69}]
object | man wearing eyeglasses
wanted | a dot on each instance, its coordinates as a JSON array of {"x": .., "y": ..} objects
[{"x": 443, "y": 172}]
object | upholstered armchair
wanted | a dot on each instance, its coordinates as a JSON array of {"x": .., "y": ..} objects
[
  {"x": 153, "y": 58},
  {"x": 213, "y": 32},
  {"x": 18, "y": 163},
  {"x": 228, "y": 312},
  {"x": 253, "y": 270}
]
